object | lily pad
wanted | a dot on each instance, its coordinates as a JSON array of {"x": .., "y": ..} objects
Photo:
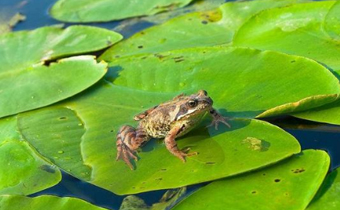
[
  {"x": 26, "y": 83},
  {"x": 290, "y": 184},
  {"x": 107, "y": 10},
  {"x": 332, "y": 21},
  {"x": 105, "y": 107},
  {"x": 246, "y": 82},
  {"x": 296, "y": 29},
  {"x": 46, "y": 201},
  {"x": 328, "y": 195},
  {"x": 196, "y": 29},
  {"x": 23, "y": 171},
  {"x": 309, "y": 29},
  {"x": 36, "y": 86}
]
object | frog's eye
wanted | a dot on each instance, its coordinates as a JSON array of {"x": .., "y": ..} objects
[{"x": 192, "y": 103}]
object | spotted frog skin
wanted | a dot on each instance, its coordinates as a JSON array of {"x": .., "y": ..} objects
[{"x": 167, "y": 120}]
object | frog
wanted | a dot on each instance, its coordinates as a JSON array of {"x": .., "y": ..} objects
[{"x": 167, "y": 120}]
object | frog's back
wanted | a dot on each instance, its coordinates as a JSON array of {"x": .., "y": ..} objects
[{"x": 158, "y": 122}]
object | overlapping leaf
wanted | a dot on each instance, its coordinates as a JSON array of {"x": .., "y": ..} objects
[
  {"x": 328, "y": 195},
  {"x": 40, "y": 85},
  {"x": 246, "y": 82},
  {"x": 291, "y": 184},
  {"x": 26, "y": 83},
  {"x": 23, "y": 171},
  {"x": 106, "y": 10},
  {"x": 209, "y": 28},
  {"x": 309, "y": 30}
]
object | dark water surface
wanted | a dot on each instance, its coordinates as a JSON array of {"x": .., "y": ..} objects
[{"x": 310, "y": 135}]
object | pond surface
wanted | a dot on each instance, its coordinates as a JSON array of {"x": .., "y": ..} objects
[{"x": 310, "y": 135}]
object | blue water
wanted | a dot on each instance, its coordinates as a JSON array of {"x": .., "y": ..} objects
[{"x": 310, "y": 135}]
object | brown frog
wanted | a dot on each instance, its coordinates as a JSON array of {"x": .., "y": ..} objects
[{"x": 167, "y": 120}]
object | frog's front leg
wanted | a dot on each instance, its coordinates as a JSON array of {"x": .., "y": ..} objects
[
  {"x": 171, "y": 144},
  {"x": 217, "y": 118},
  {"x": 129, "y": 140}
]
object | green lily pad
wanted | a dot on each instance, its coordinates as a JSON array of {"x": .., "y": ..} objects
[
  {"x": 246, "y": 82},
  {"x": 39, "y": 85},
  {"x": 105, "y": 107},
  {"x": 45, "y": 202},
  {"x": 328, "y": 195},
  {"x": 197, "y": 29},
  {"x": 309, "y": 30},
  {"x": 290, "y": 184},
  {"x": 329, "y": 113},
  {"x": 296, "y": 29},
  {"x": 26, "y": 83},
  {"x": 23, "y": 171},
  {"x": 107, "y": 10},
  {"x": 332, "y": 21}
]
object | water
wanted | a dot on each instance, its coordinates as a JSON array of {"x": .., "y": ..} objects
[{"x": 310, "y": 135}]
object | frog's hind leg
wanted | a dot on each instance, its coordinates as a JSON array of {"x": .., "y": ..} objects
[{"x": 128, "y": 141}]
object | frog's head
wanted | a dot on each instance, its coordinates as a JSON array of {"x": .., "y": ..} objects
[{"x": 195, "y": 105}]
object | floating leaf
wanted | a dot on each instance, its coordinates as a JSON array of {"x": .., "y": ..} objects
[
  {"x": 107, "y": 10},
  {"x": 290, "y": 184},
  {"x": 332, "y": 21},
  {"x": 105, "y": 107},
  {"x": 25, "y": 83},
  {"x": 193, "y": 30},
  {"x": 328, "y": 195},
  {"x": 298, "y": 30},
  {"x": 246, "y": 82},
  {"x": 22, "y": 171},
  {"x": 37, "y": 86},
  {"x": 43, "y": 202},
  {"x": 295, "y": 29},
  {"x": 308, "y": 30}
]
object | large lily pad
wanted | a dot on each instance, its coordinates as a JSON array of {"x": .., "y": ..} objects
[
  {"x": 296, "y": 29},
  {"x": 207, "y": 28},
  {"x": 106, "y": 10},
  {"x": 246, "y": 82},
  {"x": 309, "y": 29},
  {"x": 23, "y": 171},
  {"x": 105, "y": 107},
  {"x": 328, "y": 195},
  {"x": 25, "y": 83},
  {"x": 290, "y": 184},
  {"x": 28, "y": 88},
  {"x": 45, "y": 202}
]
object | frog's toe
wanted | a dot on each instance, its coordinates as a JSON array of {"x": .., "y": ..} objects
[
  {"x": 125, "y": 153},
  {"x": 185, "y": 153}
]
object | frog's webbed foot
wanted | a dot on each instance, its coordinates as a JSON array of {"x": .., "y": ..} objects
[
  {"x": 181, "y": 154},
  {"x": 125, "y": 136},
  {"x": 217, "y": 118}
]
